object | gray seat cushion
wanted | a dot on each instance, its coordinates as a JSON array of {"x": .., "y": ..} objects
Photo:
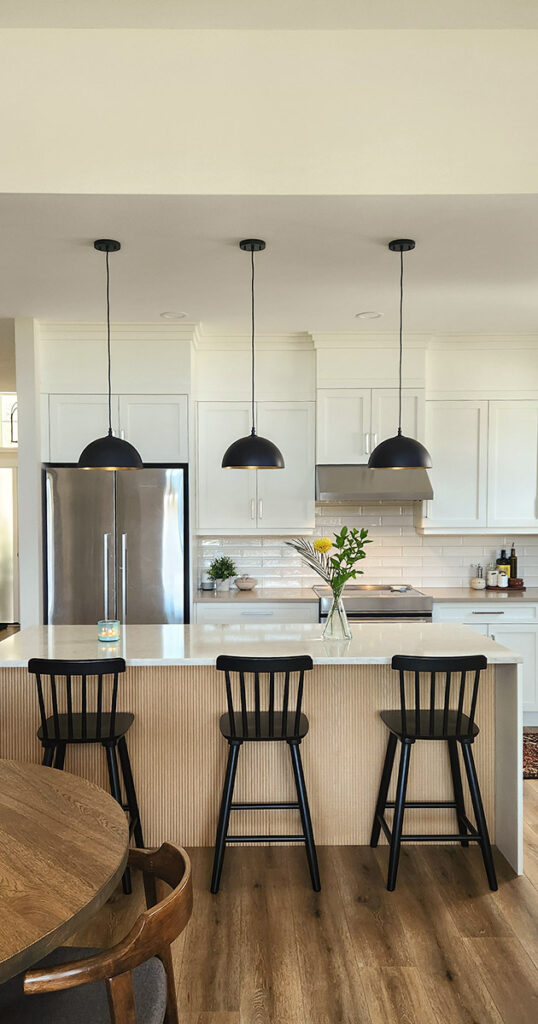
[{"x": 87, "y": 1004}]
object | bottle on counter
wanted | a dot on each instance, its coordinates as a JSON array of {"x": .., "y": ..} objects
[
  {"x": 492, "y": 578},
  {"x": 503, "y": 579},
  {"x": 478, "y": 582},
  {"x": 513, "y": 562},
  {"x": 503, "y": 562}
]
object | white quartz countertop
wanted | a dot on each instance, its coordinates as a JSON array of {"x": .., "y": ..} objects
[
  {"x": 442, "y": 595},
  {"x": 371, "y": 644},
  {"x": 259, "y": 594}
]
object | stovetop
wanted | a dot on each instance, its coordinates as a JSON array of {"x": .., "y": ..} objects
[{"x": 370, "y": 599}]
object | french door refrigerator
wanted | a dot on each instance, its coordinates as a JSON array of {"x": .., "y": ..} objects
[{"x": 115, "y": 545}]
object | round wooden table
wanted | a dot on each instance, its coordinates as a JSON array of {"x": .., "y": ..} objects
[{"x": 63, "y": 849}]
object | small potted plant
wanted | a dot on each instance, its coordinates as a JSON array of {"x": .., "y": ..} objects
[{"x": 222, "y": 570}]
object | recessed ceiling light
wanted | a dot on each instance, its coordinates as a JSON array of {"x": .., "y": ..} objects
[
  {"x": 170, "y": 315},
  {"x": 369, "y": 314}
]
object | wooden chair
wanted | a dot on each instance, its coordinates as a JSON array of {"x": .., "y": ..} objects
[
  {"x": 418, "y": 720},
  {"x": 131, "y": 983},
  {"x": 264, "y": 721},
  {"x": 83, "y": 712}
]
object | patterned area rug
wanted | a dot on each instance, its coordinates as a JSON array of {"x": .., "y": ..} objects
[{"x": 530, "y": 753}]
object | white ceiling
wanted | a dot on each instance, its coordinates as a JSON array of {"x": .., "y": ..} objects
[
  {"x": 475, "y": 267},
  {"x": 269, "y": 14}
]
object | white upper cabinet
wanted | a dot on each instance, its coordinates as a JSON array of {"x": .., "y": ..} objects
[
  {"x": 456, "y": 437},
  {"x": 75, "y": 420},
  {"x": 157, "y": 425},
  {"x": 286, "y": 496},
  {"x": 226, "y": 497},
  {"x": 343, "y": 427},
  {"x": 239, "y": 500},
  {"x": 352, "y": 421},
  {"x": 513, "y": 465}
]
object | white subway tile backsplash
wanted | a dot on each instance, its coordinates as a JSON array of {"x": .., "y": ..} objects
[{"x": 398, "y": 552}]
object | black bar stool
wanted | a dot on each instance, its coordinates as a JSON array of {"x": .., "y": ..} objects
[
  {"x": 279, "y": 720},
  {"x": 410, "y": 723},
  {"x": 86, "y": 713}
]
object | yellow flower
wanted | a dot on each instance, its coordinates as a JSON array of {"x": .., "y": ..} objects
[{"x": 323, "y": 544}]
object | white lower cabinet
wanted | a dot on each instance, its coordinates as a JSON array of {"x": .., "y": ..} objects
[
  {"x": 250, "y": 500},
  {"x": 514, "y": 626},
  {"x": 262, "y": 613}
]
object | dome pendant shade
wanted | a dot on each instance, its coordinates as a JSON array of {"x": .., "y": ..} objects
[
  {"x": 253, "y": 452},
  {"x": 110, "y": 453},
  {"x": 400, "y": 452}
]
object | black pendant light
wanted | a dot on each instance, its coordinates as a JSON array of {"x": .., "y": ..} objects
[
  {"x": 253, "y": 452},
  {"x": 400, "y": 452},
  {"x": 109, "y": 452}
]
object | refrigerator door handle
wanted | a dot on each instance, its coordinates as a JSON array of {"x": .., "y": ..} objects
[
  {"x": 106, "y": 537},
  {"x": 124, "y": 578}
]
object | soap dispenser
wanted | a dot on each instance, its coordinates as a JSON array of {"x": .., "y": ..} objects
[{"x": 478, "y": 582}]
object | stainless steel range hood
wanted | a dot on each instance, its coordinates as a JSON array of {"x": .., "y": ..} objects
[{"x": 360, "y": 485}]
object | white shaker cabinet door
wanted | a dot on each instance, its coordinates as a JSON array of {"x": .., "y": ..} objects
[
  {"x": 385, "y": 413},
  {"x": 157, "y": 425},
  {"x": 344, "y": 425},
  {"x": 75, "y": 420},
  {"x": 513, "y": 465},
  {"x": 456, "y": 437},
  {"x": 524, "y": 641},
  {"x": 226, "y": 497},
  {"x": 286, "y": 497}
]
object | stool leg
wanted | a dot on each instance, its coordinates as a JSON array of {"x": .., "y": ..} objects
[
  {"x": 60, "y": 756},
  {"x": 383, "y": 788},
  {"x": 305, "y": 815},
  {"x": 130, "y": 791},
  {"x": 458, "y": 789},
  {"x": 115, "y": 789},
  {"x": 398, "y": 815},
  {"x": 48, "y": 756},
  {"x": 224, "y": 816},
  {"x": 478, "y": 809}
]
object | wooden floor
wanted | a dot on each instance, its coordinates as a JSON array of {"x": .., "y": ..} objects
[{"x": 441, "y": 949}]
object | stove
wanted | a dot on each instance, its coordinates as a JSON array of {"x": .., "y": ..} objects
[{"x": 370, "y": 603}]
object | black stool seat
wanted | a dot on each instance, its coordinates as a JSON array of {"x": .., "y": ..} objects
[
  {"x": 274, "y": 687},
  {"x": 265, "y": 725},
  {"x": 439, "y": 726},
  {"x": 425, "y": 682},
  {"x": 86, "y": 728}
]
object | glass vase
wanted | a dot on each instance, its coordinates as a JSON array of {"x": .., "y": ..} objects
[{"x": 336, "y": 626}]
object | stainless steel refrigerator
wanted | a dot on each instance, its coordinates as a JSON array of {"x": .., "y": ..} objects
[{"x": 115, "y": 545}]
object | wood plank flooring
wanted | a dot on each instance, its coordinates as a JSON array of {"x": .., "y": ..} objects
[{"x": 441, "y": 949}]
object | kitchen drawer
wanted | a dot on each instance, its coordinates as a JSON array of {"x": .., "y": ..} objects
[
  {"x": 486, "y": 611},
  {"x": 263, "y": 611}
]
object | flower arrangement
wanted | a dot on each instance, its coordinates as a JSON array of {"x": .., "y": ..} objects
[{"x": 336, "y": 562}]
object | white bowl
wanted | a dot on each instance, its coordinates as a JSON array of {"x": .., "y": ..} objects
[{"x": 245, "y": 583}]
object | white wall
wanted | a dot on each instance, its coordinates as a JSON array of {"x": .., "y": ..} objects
[
  {"x": 269, "y": 112},
  {"x": 7, "y": 355}
]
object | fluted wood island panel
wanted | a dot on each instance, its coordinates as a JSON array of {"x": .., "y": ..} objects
[{"x": 178, "y": 755}]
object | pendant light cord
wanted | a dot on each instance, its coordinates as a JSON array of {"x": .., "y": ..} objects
[
  {"x": 252, "y": 337},
  {"x": 401, "y": 346},
  {"x": 108, "y": 346}
]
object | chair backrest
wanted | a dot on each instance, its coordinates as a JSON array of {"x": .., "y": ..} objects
[
  {"x": 455, "y": 692},
  {"x": 67, "y": 688},
  {"x": 151, "y": 935},
  {"x": 272, "y": 685}
]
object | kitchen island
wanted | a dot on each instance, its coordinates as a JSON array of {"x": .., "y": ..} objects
[{"x": 178, "y": 755}]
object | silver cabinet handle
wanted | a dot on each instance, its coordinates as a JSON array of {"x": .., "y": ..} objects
[
  {"x": 375, "y": 440},
  {"x": 260, "y": 508},
  {"x": 124, "y": 578},
  {"x": 367, "y": 444},
  {"x": 252, "y": 508},
  {"x": 122, "y": 435},
  {"x": 487, "y": 613},
  {"x": 257, "y": 613},
  {"x": 105, "y": 572}
]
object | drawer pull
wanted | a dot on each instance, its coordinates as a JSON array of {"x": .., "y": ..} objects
[
  {"x": 487, "y": 613},
  {"x": 257, "y": 613}
]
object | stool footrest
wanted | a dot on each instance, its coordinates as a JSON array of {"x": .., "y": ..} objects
[
  {"x": 265, "y": 839},
  {"x": 423, "y": 803},
  {"x": 265, "y": 807},
  {"x": 473, "y": 836}
]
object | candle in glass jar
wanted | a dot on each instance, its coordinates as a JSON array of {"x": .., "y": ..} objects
[{"x": 108, "y": 630}]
